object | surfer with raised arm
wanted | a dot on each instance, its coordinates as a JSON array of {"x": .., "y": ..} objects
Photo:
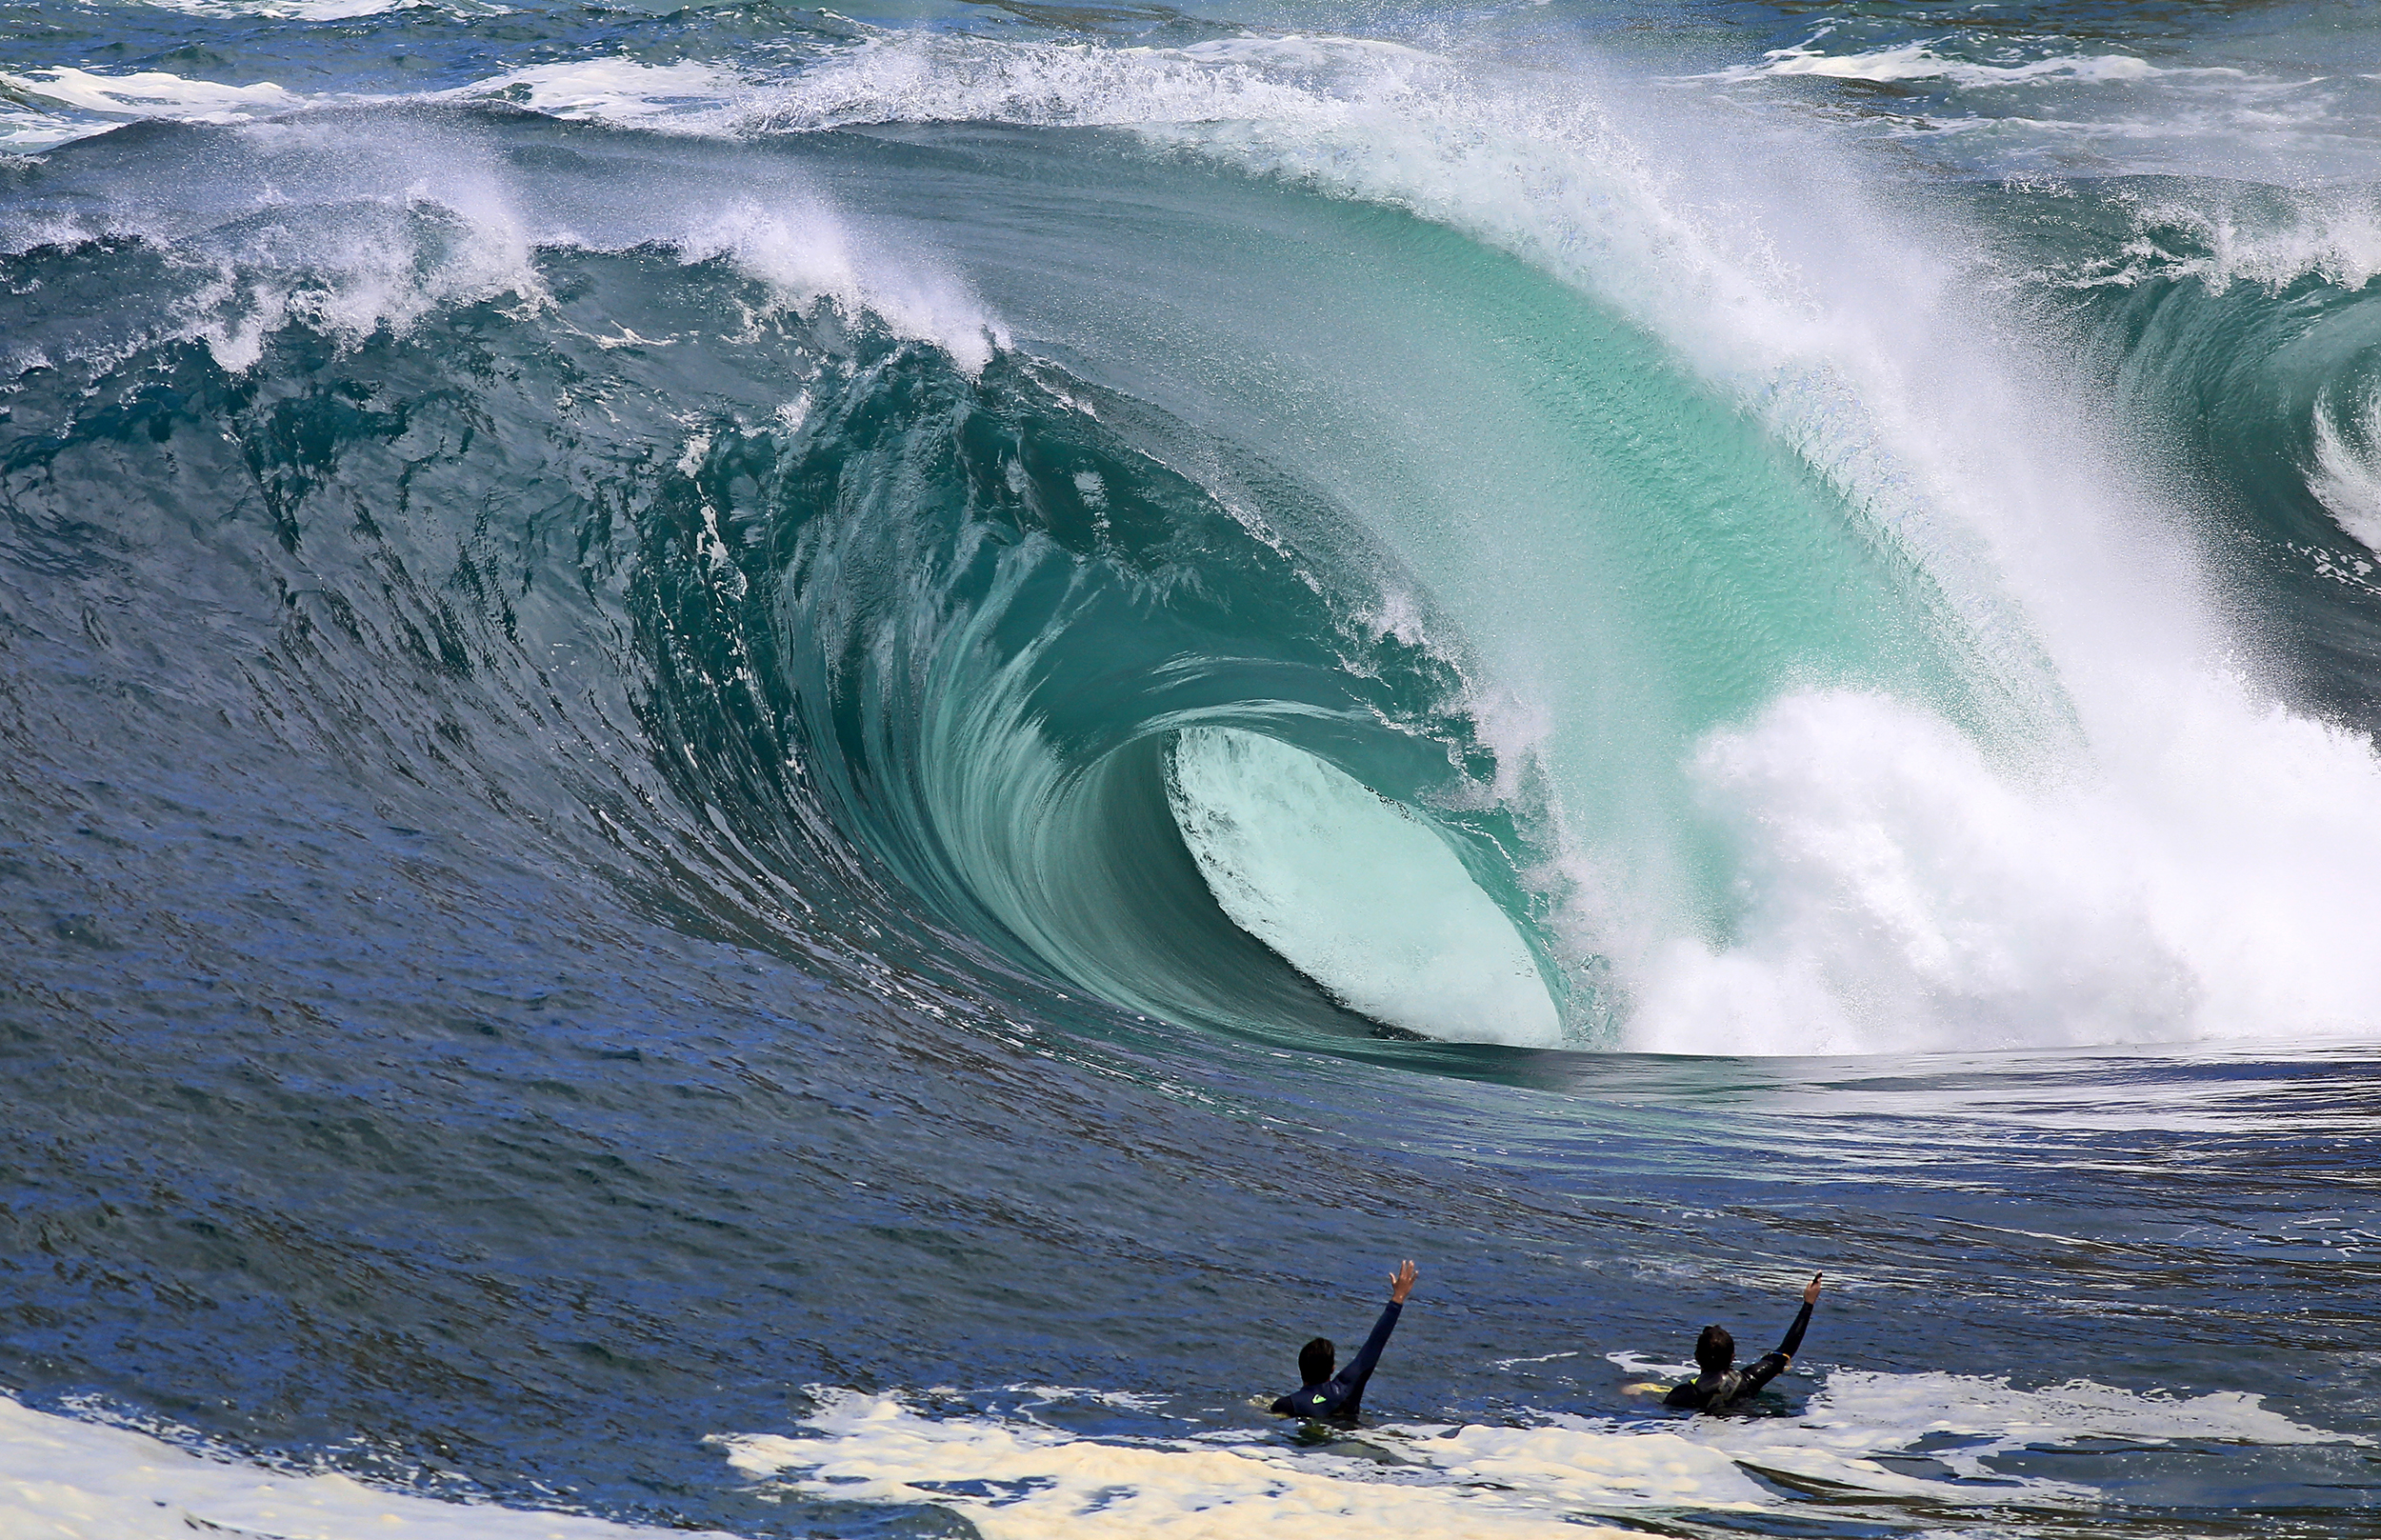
[
  {"x": 1722, "y": 1386},
  {"x": 1336, "y": 1398}
]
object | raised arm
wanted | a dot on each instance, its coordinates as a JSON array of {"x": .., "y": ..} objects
[
  {"x": 1360, "y": 1367},
  {"x": 1770, "y": 1365},
  {"x": 1802, "y": 1319}
]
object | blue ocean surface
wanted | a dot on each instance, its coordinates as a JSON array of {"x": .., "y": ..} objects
[{"x": 780, "y": 772}]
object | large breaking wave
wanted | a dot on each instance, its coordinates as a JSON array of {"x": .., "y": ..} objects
[
  {"x": 1456, "y": 579},
  {"x": 735, "y": 741}
]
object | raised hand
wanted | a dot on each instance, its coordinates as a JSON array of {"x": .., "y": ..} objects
[
  {"x": 1809, "y": 1293},
  {"x": 1401, "y": 1283}
]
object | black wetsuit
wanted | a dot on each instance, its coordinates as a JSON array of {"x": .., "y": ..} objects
[
  {"x": 1719, "y": 1393},
  {"x": 1339, "y": 1398}
]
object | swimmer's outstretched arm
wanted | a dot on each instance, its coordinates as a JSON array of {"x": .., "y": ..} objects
[
  {"x": 1787, "y": 1349},
  {"x": 1360, "y": 1367},
  {"x": 1770, "y": 1365}
]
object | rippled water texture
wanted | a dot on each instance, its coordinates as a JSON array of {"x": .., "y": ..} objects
[{"x": 791, "y": 772}]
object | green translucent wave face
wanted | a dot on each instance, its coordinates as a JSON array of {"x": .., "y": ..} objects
[{"x": 1595, "y": 559}]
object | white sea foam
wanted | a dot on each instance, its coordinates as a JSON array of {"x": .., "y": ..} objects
[
  {"x": 2017, "y": 102},
  {"x": 1922, "y": 61},
  {"x": 1876, "y": 1414},
  {"x": 2345, "y": 477},
  {"x": 354, "y": 231},
  {"x": 2224, "y": 236},
  {"x": 1016, "y": 1478},
  {"x": 1901, "y": 891},
  {"x": 20, "y": 234},
  {"x": 684, "y": 98},
  {"x": 808, "y": 251},
  {"x": 153, "y": 94},
  {"x": 405, "y": 241},
  {"x": 65, "y": 104},
  {"x": 1024, "y": 1481},
  {"x": 1855, "y": 1428},
  {"x": 68, "y": 103},
  {"x": 62, "y": 1479},
  {"x": 797, "y": 242},
  {"x": 926, "y": 78},
  {"x": 325, "y": 10},
  {"x": 1530, "y": 164},
  {"x": 422, "y": 222}
]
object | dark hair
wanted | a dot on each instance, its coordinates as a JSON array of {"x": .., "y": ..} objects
[
  {"x": 1716, "y": 1350},
  {"x": 1315, "y": 1360}
]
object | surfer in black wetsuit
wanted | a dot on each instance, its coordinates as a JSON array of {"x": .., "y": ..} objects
[
  {"x": 1337, "y": 1398},
  {"x": 1722, "y": 1386}
]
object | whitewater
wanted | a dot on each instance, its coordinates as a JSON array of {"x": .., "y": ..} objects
[{"x": 791, "y": 772}]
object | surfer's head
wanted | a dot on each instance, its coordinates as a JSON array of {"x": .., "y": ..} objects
[
  {"x": 1317, "y": 1360},
  {"x": 1716, "y": 1350}
]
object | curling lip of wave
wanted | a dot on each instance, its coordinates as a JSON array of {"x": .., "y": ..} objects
[{"x": 2344, "y": 478}]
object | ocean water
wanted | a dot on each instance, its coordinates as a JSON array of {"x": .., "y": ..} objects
[{"x": 789, "y": 773}]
